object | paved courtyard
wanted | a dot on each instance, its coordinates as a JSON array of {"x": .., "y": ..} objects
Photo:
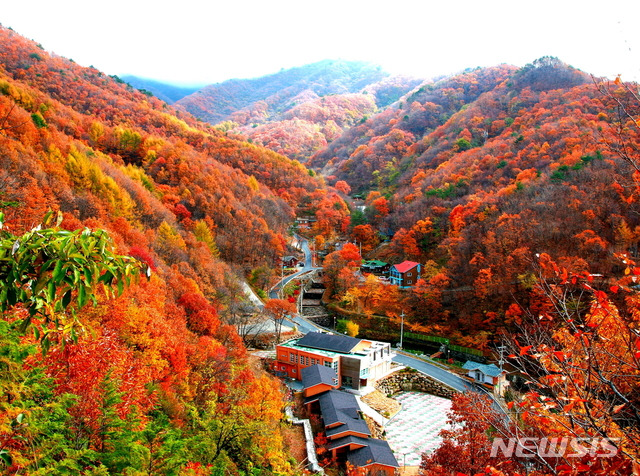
[{"x": 415, "y": 428}]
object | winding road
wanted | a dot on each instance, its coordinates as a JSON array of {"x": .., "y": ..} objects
[
  {"x": 308, "y": 266},
  {"x": 305, "y": 326}
]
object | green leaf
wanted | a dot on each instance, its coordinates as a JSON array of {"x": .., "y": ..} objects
[
  {"x": 107, "y": 277},
  {"x": 45, "y": 343},
  {"x": 82, "y": 295},
  {"x": 66, "y": 299},
  {"x": 58, "y": 274},
  {"x": 51, "y": 291},
  {"x": 88, "y": 275},
  {"x": 6, "y": 457},
  {"x": 47, "y": 218}
]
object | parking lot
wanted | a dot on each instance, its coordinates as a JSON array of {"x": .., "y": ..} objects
[{"x": 415, "y": 428}]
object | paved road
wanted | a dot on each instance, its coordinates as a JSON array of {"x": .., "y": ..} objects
[
  {"x": 304, "y": 244},
  {"x": 434, "y": 371},
  {"x": 253, "y": 298},
  {"x": 303, "y": 325},
  {"x": 423, "y": 366}
]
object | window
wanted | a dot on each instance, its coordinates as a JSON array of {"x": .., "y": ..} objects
[
  {"x": 409, "y": 282},
  {"x": 283, "y": 368},
  {"x": 293, "y": 358},
  {"x": 294, "y": 371},
  {"x": 327, "y": 363}
]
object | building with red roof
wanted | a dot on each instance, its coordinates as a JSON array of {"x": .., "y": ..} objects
[{"x": 405, "y": 274}]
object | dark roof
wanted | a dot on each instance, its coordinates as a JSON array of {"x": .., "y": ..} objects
[
  {"x": 376, "y": 452},
  {"x": 334, "y": 343},
  {"x": 490, "y": 370},
  {"x": 341, "y": 407},
  {"x": 355, "y": 425},
  {"x": 336, "y": 406},
  {"x": 347, "y": 440},
  {"x": 317, "y": 374}
]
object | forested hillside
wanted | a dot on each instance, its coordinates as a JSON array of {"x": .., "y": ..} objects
[
  {"x": 169, "y": 93},
  {"x": 127, "y": 227},
  {"x": 277, "y": 92},
  {"x": 476, "y": 175},
  {"x": 515, "y": 190},
  {"x": 153, "y": 379},
  {"x": 298, "y": 111}
]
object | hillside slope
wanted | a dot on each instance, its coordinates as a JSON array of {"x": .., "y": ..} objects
[
  {"x": 217, "y": 102},
  {"x": 298, "y": 111},
  {"x": 169, "y": 93},
  {"x": 476, "y": 175},
  {"x": 153, "y": 378}
]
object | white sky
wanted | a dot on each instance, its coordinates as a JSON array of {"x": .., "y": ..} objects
[{"x": 200, "y": 41}]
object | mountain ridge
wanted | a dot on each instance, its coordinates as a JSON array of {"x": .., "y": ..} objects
[{"x": 168, "y": 92}]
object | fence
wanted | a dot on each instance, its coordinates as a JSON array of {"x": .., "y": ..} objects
[{"x": 445, "y": 341}]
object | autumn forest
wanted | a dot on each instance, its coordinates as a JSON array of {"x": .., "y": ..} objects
[{"x": 130, "y": 226}]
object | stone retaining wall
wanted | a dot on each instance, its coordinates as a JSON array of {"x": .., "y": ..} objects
[
  {"x": 312, "y": 456},
  {"x": 404, "y": 381}
]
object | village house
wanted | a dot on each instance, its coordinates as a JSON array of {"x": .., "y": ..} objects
[
  {"x": 358, "y": 363},
  {"x": 289, "y": 261},
  {"x": 488, "y": 375},
  {"x": 405, "y": 274},
  {"x": 374, "y": 266}
]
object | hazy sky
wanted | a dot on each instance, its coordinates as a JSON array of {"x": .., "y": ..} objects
[{"x": 199, "y": 42}]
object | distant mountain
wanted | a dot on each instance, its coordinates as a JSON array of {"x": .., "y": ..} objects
[
  {"x": 297, "y": 111},
  {"x": 217, "y": 102},
  {"x": 169, "y": 93},
  {"x": 478, "y": 173},
  {"x": 425, "y": 125}
]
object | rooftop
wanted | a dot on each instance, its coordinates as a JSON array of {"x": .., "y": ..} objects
[
  {"x": 317, "y": 374},
  {"x": 376, "y": 452},
  {"x": 405, "y": 266},
  {"x": 374, "y": 262},
  {"x": 342, "y": 407},
  {"x": 330, "y": 342},
  {"x": 293, "y": 344},
  {"x": 334, "y": 402},
  {"x": 490, "y": 369},
  {"x": 347, "y": 440}
]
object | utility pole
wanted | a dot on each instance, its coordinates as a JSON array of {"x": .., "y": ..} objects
[
  {"x": 281, "y": 277},
  {"x": 401, "y": 327},
  {"x": 501, "y": 362}
]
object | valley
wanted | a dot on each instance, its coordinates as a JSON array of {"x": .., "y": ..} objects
[{"x": 484, "y": 224}]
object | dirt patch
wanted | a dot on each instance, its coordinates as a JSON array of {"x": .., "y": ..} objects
[
  {"x": 409, "y": 470},
  {"x": 385, "y": 406},
  {"x": 295, "y": 442}
]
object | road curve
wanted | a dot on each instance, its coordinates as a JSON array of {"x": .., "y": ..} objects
[{"x": 448, "y": 378}]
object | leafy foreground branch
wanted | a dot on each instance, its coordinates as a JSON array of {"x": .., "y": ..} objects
[
  {"x": 137, "y": 393},
  {"x": 47, "y": 269},
  {"x": 577, "y": 350}
]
